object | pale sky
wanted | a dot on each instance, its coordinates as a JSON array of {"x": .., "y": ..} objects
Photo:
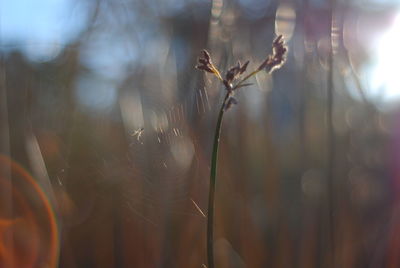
[{"x": 39, "y": 25}]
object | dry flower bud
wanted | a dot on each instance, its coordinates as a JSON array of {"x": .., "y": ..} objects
[
  {"x": 235, "y": 71},
  {"x": 206, "y": 64},
  {"x": 204, "y": 68},
  {"x": 244, "y": 67},
  {"x": 206, "y": 55},
  {"x": 278, "y": 57},
  {"x": 272, "y": 62}
]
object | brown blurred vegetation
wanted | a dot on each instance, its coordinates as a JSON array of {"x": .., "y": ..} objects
[{"x": 127, "y": 201}]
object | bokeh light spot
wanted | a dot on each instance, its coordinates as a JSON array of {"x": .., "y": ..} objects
[
  {"x": 285, "y": 21},
  {"x": 96, "y": 95}
]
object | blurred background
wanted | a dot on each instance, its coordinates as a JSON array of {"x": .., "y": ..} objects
[{"x": 106, "y": 132}]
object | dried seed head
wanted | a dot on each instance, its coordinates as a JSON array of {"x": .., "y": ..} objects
[
  {"x": 244, "y": 67},
  {"x": 206, "y": 64},
  {"x": 235, "y": 71},
  {"x": 272, "y": 62},
  {"x": 204, "y": 68},
  {"x": 278, "y": 56},
  {"x": 206, "y": 55}
]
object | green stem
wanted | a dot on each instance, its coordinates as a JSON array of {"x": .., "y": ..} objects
[{"x": 211, "y": 194}]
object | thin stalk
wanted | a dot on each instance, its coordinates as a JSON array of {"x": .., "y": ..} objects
[
  {"x": 331, "y": 143},
  {"x": 213, "y": 177},
  {"x": 273, "y": 61},
  {"x": 245, "y": 78}
]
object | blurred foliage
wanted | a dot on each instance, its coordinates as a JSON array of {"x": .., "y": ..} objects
[{"x": 116, "y": 126}]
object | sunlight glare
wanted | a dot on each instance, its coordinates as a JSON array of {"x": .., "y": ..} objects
[{"x": 385, "y": 79}]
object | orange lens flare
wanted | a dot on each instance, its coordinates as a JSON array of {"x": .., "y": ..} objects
[{"x": 28, "y": 229}]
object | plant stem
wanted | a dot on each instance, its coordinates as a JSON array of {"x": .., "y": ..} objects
[
  {"x": 213, "y": 174},
  {"x": 211, "y": 194},
  {"x": 331, "y": 146},
  {"x": 245, "y": 78}
]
